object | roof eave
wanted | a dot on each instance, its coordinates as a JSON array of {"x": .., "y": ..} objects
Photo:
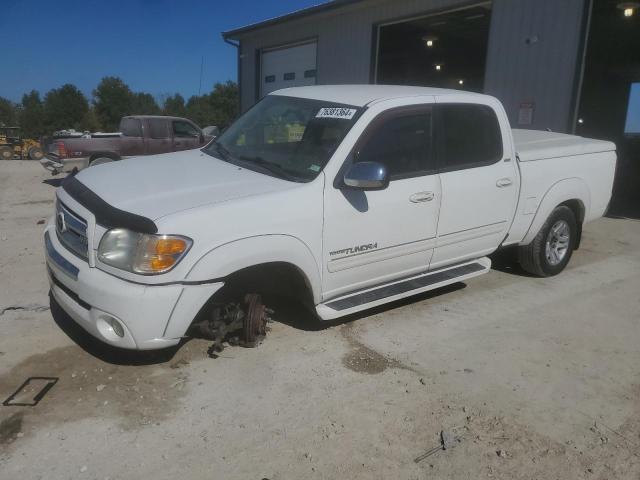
[{"x": 305, "y": 12}]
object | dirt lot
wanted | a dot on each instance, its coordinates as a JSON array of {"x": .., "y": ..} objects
[{"x": 538, "y": 378}]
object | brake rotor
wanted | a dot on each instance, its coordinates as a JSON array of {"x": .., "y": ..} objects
[{"x": 254, "y": 326}]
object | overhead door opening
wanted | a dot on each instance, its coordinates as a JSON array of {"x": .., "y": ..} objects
[
  {"x": 445, "y": 50},
  {"x": 288, "y": 66},
  {"x": 609, "y": 106}
]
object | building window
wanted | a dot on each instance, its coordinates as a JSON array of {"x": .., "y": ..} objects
[
  {"x": 269, "y": 79},
  {"x": 290, "y": 76},
  {"x": 310, "y": 73}
]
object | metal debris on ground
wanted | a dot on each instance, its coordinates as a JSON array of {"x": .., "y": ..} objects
[
  {"x": 243, "y": 324},
  {"x": 447, "y": 441}
]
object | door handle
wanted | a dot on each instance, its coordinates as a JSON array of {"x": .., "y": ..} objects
[
  {"x": 504, "y": 182},
  {"x": 421, "y": 197}
]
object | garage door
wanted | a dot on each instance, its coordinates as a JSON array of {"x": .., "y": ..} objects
[{"x": 285, "y": 67}]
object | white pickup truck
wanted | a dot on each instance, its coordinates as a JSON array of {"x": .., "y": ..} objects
[{"x": 341, "y": 197}]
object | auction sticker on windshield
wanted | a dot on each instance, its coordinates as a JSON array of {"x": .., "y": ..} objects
[{"x": 336, "y": 112}]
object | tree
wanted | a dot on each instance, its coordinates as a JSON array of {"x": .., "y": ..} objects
[
  {"x": 32, "y": 118},
  {"x": 144, "y": 104},
  {"x": 174, "y": 106},
  {"x": 8, "y": 112},
  {"x": 218, "y": 108},
  {"x": 65, "y": 107},
  {"x": 225, "y": 101},
  {"x": 112, "y": 100}
]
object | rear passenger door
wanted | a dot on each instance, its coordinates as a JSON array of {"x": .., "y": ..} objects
[
  {"x": 158, "y": 137},
  {"x": 185, "y": 135},
  {"x": 479, "y": 181}
]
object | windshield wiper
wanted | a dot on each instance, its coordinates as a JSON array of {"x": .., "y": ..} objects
[
  {"x": 222, "y": 151},
  {"x": 273, "y": 168}
]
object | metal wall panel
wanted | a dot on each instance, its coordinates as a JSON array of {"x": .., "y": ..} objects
[
  {"x": 540, "y": 72},
  {"x": 532, "y": 58}
]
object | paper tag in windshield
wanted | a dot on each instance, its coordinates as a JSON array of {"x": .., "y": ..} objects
[{"x": 336, "y": 112}]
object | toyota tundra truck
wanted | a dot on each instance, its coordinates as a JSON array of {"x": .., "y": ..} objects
[{"x": 341, "y": 198}]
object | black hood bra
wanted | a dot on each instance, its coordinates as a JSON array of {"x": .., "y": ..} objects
[{"x": 106, "y": 215}]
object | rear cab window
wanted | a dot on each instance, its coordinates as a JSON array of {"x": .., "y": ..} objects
[
  {"x": 158, "y": 128},
  {"x": 131, "y": 127},
  {"x": 468, "y": 136}
]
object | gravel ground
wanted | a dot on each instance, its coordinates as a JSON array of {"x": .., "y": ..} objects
[{"x": 537, "y": 378}]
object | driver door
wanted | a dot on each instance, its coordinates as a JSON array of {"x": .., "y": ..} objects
[{"x": 372, "y": 237}]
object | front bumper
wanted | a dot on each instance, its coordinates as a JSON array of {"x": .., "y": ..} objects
[
  {"x": 58, "y": 165},
  {"x": 151, "y": 317}
]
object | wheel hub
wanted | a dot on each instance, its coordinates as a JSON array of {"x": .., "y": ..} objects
[{"x": 558, "y": 241}]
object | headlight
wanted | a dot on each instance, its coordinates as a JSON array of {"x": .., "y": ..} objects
[{"x": 142, "y": 253}]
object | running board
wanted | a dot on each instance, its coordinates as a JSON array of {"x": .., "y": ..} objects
[{"x": 389, "y": 292}]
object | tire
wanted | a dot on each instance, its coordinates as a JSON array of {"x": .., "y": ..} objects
[
  {"x": 100, "y": 161},
  {"x": 550, "y": 251},
  {"x": 6, "y": 153},
  {"x": 35, "y": 153}
]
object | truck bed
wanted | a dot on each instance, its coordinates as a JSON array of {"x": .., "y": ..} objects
[
  {"x": 534, "y": 145},
  {"x": 554, "y": 162}
]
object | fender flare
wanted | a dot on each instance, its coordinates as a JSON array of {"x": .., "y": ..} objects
[
  {"x": 231, "y": 257},
  {"x": 559, "y": 193}
]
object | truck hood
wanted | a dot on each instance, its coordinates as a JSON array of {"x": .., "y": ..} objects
[{"x": 159, "y": 185}]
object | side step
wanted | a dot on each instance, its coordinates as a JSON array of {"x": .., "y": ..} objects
[{"x": 381, "y": 294}]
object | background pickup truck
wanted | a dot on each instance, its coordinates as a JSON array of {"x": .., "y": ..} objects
[
  {"x": 139, "y": 135},
  {"x": 339, "y": 197}
]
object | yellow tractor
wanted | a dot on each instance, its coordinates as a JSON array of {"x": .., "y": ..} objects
[{"x": 12, "y": 145}]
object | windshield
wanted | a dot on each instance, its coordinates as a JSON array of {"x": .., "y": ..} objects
[{"x": 292, "y": 138}]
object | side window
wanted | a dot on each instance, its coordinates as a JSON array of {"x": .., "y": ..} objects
[
  {"x": 402, "y": 143},
  {"x": 130, "y": 127},
  {"x": 184, "y": 129},
  {"x": 158, "y": 128},
  {"x": 469, "y": 136}
]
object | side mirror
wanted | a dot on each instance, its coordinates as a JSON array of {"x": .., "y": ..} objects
[{"x": 367, "y": 176}]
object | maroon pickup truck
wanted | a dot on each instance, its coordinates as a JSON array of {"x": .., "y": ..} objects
[{"x": 139, "y": 135}]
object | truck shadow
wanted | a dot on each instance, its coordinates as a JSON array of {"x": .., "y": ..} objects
[
  {"x": 54, "y": 182},
  {"x": 506, "y": 261},
  {"x": 103, "y": 351}
]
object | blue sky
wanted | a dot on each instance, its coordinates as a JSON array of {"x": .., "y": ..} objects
[
  {"x": 154, "y": 45},
  {"x": 633, "y": 110}
]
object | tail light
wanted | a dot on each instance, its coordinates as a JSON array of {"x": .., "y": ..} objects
[{"x": 62, "y": 150}]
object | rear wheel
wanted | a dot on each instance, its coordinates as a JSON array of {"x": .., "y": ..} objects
[
  {"x": 6, "y": 153},
  {"x": 550, "y": 251},
  {"x": 35, "y": 153}
]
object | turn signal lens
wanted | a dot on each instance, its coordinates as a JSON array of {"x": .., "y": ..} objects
[
  {"x": 170, "y": 246},
  {"x": 161, "y": 263}
]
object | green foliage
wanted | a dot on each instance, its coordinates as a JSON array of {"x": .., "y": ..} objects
[
  {"x": 174, "y": 106},
  {"x": 220, "y": 107},
  {"x": 144, "y": 104},
  {"x": 64, "y": 107},
  {"x": 31, "y": 116},
  {"x": 8, "y": 113},
  {"x": 112, "y": 100}
]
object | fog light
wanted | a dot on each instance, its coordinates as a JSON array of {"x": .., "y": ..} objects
[{"x": 117, "y": 328}]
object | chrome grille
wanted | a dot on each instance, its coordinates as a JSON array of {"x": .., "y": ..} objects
[{"x": 71, "y": 230}]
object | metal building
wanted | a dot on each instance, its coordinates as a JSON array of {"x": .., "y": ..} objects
[{"x": 564, "y": 65}]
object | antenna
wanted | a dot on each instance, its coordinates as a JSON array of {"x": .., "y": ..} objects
[{"x": 201, "y": 66}]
